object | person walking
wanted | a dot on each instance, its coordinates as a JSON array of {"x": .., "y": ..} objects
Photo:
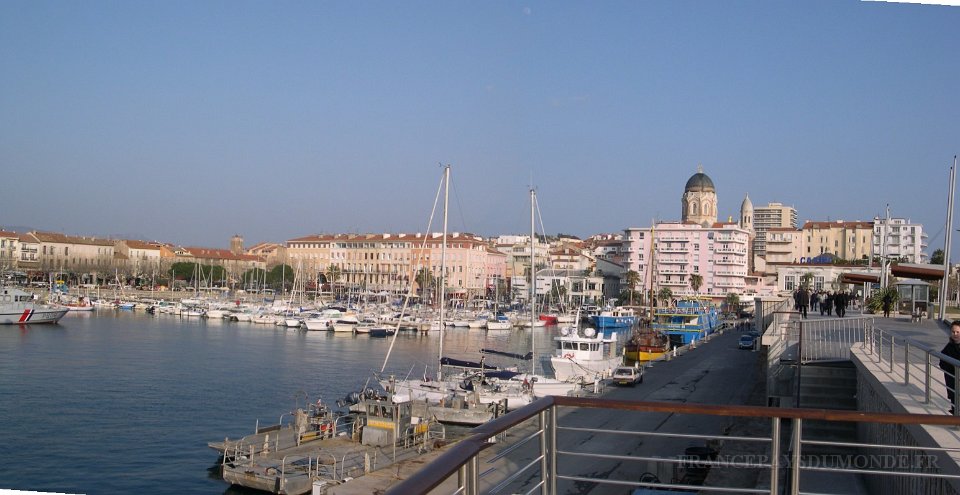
[
  {"x": 827, "y": 303},
  {"x": 803, "y": 300},
  {"x": 814, "y": 301},
  {"x": 952, "y": 349},
  {"x": 887, "y": 301},
  {"x": 839, "y": 303}
]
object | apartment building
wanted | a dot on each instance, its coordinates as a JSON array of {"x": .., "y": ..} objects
[
  {"x": 670, "y": 253},
  {"x": 766, "y": 218},
  {"x": 783, "y": 245},
  {"x": 847, "y": 240},
  {"x": 59, "y": 252},
  {"x": 904, "y": 240},
  {"x": 391, "y": 261},
  {"x": 9, "y": 250}
]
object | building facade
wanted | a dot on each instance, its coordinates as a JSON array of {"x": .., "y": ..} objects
[
  {"x": 904, "y": 240},
  {"x": 669, "y": 254},
  {"x": 699, "y": 201},
  {"x": 847, "y": 240},
  {"x": 771, "y": 216}
]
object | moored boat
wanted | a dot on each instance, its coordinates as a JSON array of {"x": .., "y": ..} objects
[
  {"x": 688, "y": 321},
  {"x": 19, "y": 307},
  {"x": 646, "y": 345},
  {"x": 584, "y": 356},
  {"x": 613, "y": 318}
]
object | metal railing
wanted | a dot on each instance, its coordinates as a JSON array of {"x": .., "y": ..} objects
[
  {"x": 914, "y": 363},
  {"x": 541, "y": 448}
]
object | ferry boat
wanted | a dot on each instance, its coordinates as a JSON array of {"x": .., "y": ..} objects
[
  {"x": 584, "y": 356},
  {"x": 688, "y": 321},
  {"x": 18, "y": 307},
  {"x": 613, "y": 318}
]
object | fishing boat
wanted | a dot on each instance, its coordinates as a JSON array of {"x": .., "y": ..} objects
[
  {"x": 690, "y": 320},
  {"x": 584, "y": 356},
  {"x": 646, "y": 344},
  {"x": 19, "y": 307}
]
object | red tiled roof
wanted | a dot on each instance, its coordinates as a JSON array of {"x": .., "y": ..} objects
[{"x": 828, "y": 225}]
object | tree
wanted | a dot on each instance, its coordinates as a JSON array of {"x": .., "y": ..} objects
[
  {"x": 806, "y": 279},
  {"x": 696, "y": 281},
  {"x": 733, "y": 302},
  {"x": 424, "y": 279},
  {"x": 631, "y": 278},
  {"x": 937, "y": 257},
  {"x": 665, "y": 294}
]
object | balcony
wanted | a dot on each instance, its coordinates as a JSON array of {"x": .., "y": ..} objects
[
  {"x": 669, "y": 238},
  {"x": 672, "y": 271},
  {"x": 730, "y": 238},
  {"x": 673, "y": 283},
  {"x": 729, "y": 262},
  {"x": 730, "y": 250},
  {"x": 673, "y": 249}
]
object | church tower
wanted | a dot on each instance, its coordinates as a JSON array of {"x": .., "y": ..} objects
[
  {"x": 746, "y": 214},
  {"x": 699, "y": 201},
  {"x": 236, "y": 244}
]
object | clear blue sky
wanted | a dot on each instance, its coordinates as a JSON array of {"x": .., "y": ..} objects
[{"x": 191, "y": 121}]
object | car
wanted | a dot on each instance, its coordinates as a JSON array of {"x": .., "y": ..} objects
[
  {"x": 628, "y": 375},
  {"x": 746, "y": 342}
]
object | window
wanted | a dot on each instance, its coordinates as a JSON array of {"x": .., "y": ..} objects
[
  {"x": 789, "y": 281},
  {"x": 818, "y": 282}
]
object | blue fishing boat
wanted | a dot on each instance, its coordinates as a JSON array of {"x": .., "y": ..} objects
[
  {"x": 613, "y": 318},
  {"x": 686, "y": 322}
]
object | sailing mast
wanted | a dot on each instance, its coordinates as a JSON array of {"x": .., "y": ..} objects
[
  {"x": 443, "y": 266},
  {"x": 533, "y": 283}
]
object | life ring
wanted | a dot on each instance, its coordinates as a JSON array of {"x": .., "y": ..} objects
[{"x": 568, "y": 356}]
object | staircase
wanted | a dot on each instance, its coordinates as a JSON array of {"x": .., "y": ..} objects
[{"x": 829, "y": 386}]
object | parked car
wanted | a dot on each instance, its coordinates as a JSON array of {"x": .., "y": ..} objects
[
  {"x": 628, "y": 375},
  {"x": 746, "y": 342}
]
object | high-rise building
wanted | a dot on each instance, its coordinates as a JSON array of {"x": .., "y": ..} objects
[{"x": 774, "y": 215}]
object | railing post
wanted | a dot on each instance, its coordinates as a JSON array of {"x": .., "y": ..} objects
[
  {"x": 795, "y": 458},
  {"x": 545, "y": 466},
  {"x": 552, "y": 445},
  {"x": 462, "y": 478},
  {"x": 879, "y": 340},
  {"x": 926, "y": 379},
  {"x": 472, "y": 476},
  {"x": 774, "y": 455},
  {"x": 892, "y": 343},
  {"x": 906, "y": 362}
]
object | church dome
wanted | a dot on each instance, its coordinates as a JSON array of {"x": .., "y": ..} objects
[{"x": 700, "y": 182}]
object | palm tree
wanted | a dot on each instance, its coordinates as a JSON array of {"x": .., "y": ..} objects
[
  {"x": 632, "y": 278},
  {"x": 733, "y": 302},
  {"x": 665, "y": 294},
  {"x": 424, "y": 279},
  {"x": 696, "y": 281}
]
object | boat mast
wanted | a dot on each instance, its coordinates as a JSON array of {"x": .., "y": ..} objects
[
  {"x": 443, "y": 265},
  {"x": 533, "y": 283}
]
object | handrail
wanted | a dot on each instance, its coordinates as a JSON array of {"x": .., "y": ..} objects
[{"x": 466, "y": 451}]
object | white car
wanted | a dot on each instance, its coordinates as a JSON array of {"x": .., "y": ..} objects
[{"x": 628, "y": 375}]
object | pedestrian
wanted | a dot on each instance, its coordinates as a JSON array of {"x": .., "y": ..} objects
[
  {"x": 814, "y": 301},
  {"x": 838, "y": 303},
  {"x": 952, "y": 349},
  {"x": 803, "y": 300},
  {"x": 828, "y": 303},
  {"x": 844, "y": 302},
  {"x": 887, "y": 301}
]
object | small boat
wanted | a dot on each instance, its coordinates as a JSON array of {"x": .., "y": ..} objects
[
  {"x": 549, "y": 319},
  {"x": 81, "y": 304},
  {"x": 646, "y": 344},
  {"x": 19, "y": 307}
]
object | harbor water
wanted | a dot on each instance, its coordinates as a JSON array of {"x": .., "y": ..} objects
[{"x": 121, "y": 402}]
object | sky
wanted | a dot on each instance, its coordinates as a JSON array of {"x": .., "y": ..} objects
[{"x": 189, "y": 122}]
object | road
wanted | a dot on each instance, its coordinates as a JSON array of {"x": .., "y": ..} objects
[{"x": 716, "y": 372}]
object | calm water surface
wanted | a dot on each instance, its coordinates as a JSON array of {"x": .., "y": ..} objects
[{"x": 122, "y": 402}]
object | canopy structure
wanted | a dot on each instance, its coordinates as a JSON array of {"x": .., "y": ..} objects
[
  {"x": 859, "y": 278},
  {"x": 918, "y": 271}
]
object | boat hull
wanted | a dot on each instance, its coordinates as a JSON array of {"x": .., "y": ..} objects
[{"x": 31, "y": 316}]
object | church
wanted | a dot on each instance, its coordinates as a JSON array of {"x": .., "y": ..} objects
[{"x": 697, "y": 256}]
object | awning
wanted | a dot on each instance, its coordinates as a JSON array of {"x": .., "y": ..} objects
[
  {"x": 859, "y": 278},
  {"x": 918, "y": 271}
]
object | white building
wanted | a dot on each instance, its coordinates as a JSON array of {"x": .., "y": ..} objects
[{"x": 903, "y": 239}]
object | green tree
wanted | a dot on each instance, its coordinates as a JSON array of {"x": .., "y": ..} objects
[
  {"x": 806, "y": 279},
  {"x": 696, "y": 281},
  {"x": 665, "y": 295},
  {"x": 733, "y": 302},
  {"x": 937, "y": 257},
  {"x": 631, "y": 279}
]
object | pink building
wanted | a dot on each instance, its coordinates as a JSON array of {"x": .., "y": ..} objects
[{"x": 668, "y": 254}]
